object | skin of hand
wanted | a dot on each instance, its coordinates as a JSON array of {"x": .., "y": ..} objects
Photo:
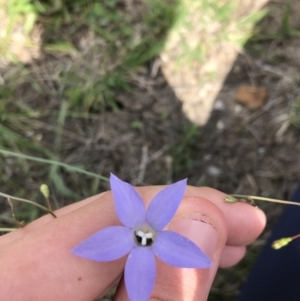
[{"x": 36, "y": 263}]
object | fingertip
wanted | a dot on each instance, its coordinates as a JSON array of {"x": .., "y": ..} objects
[
  {"x": 231, "y": 256},
  {"x": 245, "y": 222},
  {"x": 261, "y": 217}
]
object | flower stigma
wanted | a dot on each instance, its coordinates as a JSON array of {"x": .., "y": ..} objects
[{"x": 144, "y": 235}]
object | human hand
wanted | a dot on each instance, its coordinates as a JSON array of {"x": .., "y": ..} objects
[{"x": 36, "y": 263}]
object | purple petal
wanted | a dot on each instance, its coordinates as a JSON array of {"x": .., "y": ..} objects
[
  {"x": 164, "y": 205},
  {"x": 108, "y": 244},
  {"x": 140, "y": 271},
  {"x": 179, "y": 251},
  {"x": 129, "y": 206}
]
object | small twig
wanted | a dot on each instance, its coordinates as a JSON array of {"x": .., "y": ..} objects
[
  {"x": 52, "y": 128},
  {"x": 143, "y": 164},
  {"x": 295, "y": 237},
  {"x": 48, "y": 204},
  {"x": 258, "y": 113},
  {"x": 158, "y": 153},
  {"x": 284, "y": 127},
  {"x": 169, "y": 168},
  {"x": 252, "y": 181},
  {"x": 234, "y": 198},
  {"x": 19, "y": 224},
  {"x": 7, "y": 196}
]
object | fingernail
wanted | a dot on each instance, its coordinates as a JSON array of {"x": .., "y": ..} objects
[{"x": 198, "y": 228}]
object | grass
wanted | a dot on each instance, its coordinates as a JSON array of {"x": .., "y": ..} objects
[
  {"x": 52, "y": 163},
  {"x": 216, "y": 23},
  {"x": 115, "y": 41},
  {"x": 294, "y": 116},
  {"x": 184, "y": 154},
  {"x": 268, "y": 31},
  {"x": 284, "y": 30},
  {"x": 49, "y": 108},
  {"x": 91, "y": 48}
]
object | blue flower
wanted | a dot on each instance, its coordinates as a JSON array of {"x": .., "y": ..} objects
[{"x": 142, "y": 236}]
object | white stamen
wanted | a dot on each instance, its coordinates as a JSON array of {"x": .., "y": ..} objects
[
  {"x": 140, "y": 233},
  {"x": 144, "y": 240},
  {"x": 149, "y": 235},
  {"x": 145, "y": 237}
]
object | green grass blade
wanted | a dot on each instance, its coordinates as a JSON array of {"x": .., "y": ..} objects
[
  {"x": 52, "y": 162},
  {"x": 60, "y": 184},
  {"x": 60, "y": 125}
]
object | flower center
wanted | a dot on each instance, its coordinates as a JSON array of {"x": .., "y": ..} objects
[
  {"x": 145, "y": 239},
  {"x": 144, "y": 235}
]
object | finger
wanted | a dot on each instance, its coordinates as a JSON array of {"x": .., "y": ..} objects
[
  {"x": 245, "y": 223},
  {"x": 204, "y": 224},
  {"x": 231, "y": 255}
]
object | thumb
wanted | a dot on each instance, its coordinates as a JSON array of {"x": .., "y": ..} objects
[{"x": 203, "y": 223}]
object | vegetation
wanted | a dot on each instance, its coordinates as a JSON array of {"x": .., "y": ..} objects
[{"x": 74, "y": 61}]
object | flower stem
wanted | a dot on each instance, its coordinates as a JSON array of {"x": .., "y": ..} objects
[
  {"x": 234, "y": 198},
  {"x": 29, "y": 202},
  {"x": 295, "y": 237},
  {"x": 19, "y": 224},
  {"x": 7, "y": 229}
]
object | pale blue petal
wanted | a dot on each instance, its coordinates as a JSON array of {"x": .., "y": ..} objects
[
  {"x": 164, "y": 205},
  {"x": 140, "y": 271},
  {"x": 108, "y": 244},
  {"x": 179, "y": 251},
  {"x": 129, "y": 206}
]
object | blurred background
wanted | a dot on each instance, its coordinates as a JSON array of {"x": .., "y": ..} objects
[{"x": 153, "y": 91}]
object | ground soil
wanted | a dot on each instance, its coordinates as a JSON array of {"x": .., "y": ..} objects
[
  {"x": 238, "y": 151},
  {"x": 150, "y": 140}
]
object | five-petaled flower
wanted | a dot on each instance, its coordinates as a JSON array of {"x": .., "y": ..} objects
[{"x": 142, "y": 236}]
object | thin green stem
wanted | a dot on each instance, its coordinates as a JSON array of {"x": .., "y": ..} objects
[
  {"x": 51, "y": 162},
  {"x": 260, "y": 198},
  {"x": 20, "y": 225},
  {"x": 29, "y": 202},
  {"x": 48, "y": 204},
  {"x": 7, "y": 229}
]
